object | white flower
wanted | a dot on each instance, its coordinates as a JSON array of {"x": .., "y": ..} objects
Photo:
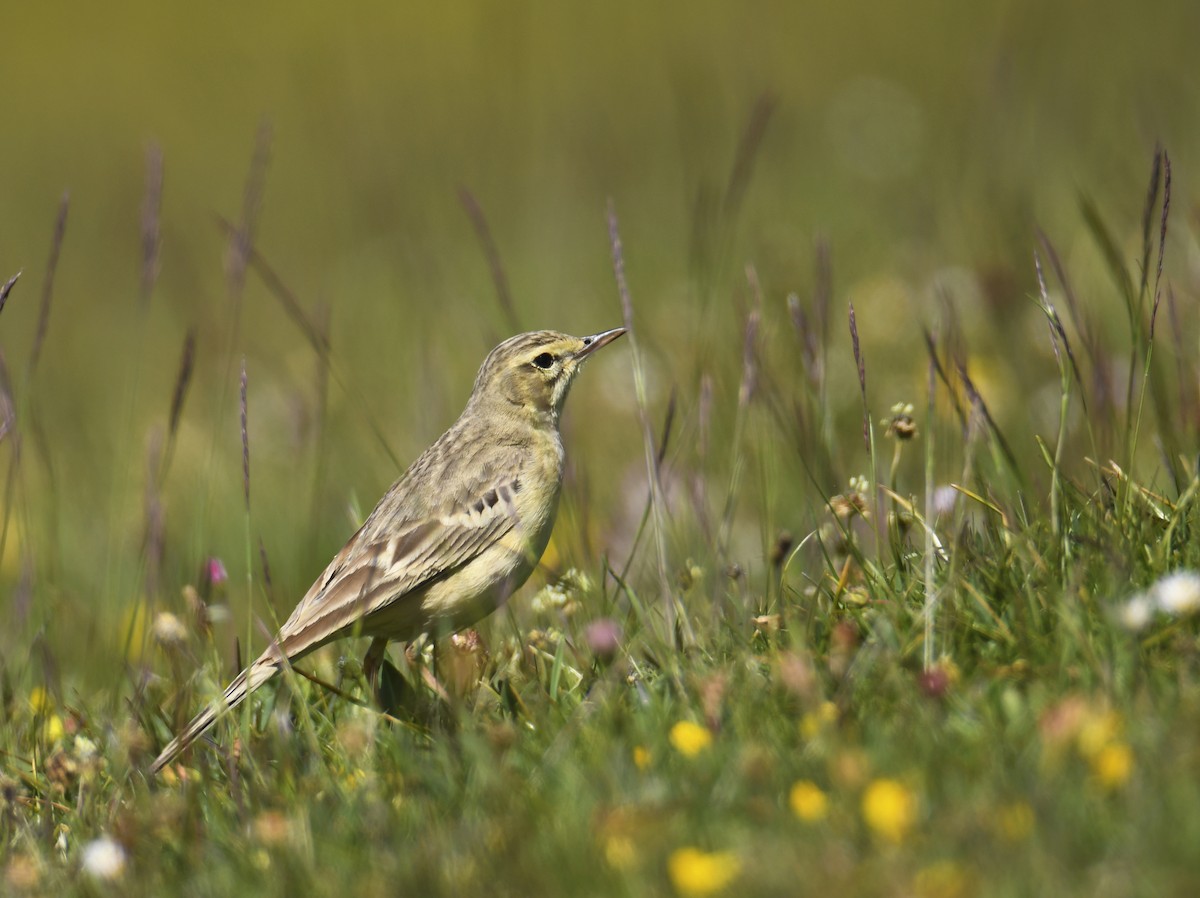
[
  {"x": 1178, "y": 593},
  {"x": 169, "y": 630},
  {"x": 1136, "y": 613},
  {"x": 218, "y": 614},
  {"x": 104, "y": 858},
  {"x": 86, "y": 748},
  {"x": 944, "y": 498}
]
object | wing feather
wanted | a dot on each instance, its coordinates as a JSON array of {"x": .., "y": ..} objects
[{"x": 364, "y": 580}]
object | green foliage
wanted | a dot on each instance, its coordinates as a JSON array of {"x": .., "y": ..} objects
[{"x": 784, "y": 641}]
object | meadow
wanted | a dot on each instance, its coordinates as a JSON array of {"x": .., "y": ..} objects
[{"x": 874, "y": 571}]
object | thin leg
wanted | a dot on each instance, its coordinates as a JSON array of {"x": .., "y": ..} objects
[{"x": 372, "y": 662}]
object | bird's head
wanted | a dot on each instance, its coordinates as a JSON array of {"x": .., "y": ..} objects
[{"x": 534, "y": 371}]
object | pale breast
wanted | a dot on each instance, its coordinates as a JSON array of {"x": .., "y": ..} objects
[{"x": 483, "y": 584}]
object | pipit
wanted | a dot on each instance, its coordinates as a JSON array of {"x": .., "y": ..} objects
[{"x": 455, "y": 536}]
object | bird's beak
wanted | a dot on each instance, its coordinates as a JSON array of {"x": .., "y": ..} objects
[{"x": 594, "y": 342}]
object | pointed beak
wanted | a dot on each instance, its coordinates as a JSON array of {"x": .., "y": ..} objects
[{"x": 596, "y": 341}]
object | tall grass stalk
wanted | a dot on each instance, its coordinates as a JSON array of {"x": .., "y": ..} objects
[
  {"x": 930, "y": 520},
  {"x": 673, "y": 613}
]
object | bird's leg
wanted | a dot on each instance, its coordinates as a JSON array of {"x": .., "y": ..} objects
[{"x": 372, "y": 662}]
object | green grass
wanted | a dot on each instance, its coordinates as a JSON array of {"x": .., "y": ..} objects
[
  {"x": 848, "y": 662},
  {"x": 1035, "y": 745}
]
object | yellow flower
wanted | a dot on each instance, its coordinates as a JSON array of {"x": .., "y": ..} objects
[
  {"x": 808, "y": 801},
  {"x": 889, "y": 809},
  {"x": 1015, "y": 821},
  {"x": 690, "y": 738},
  {"x": 1112, "y": 765},
  {"x": 40, "y": 700},
  {"x": 695, "y": 873},
  {"x": 1098, "y": 730},
  {"x": 641, "y": 757},
  {"x": 52, "y": 729}
]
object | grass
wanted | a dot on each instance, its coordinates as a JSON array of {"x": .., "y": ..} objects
[{"x": 928, "y": 689}]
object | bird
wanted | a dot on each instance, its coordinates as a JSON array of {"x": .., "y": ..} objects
[{"x": 454, "y": 536}]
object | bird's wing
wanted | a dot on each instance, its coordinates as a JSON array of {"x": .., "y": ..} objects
[{"x": 367, "y": 575}]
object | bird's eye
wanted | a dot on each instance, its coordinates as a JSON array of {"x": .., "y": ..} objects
[{"x": 543, "y": 361}]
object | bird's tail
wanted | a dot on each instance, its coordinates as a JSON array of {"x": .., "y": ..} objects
[{"x": 245, "y": 683}]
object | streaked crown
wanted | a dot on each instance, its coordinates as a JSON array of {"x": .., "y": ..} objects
[{"x": 534, "y": 371}]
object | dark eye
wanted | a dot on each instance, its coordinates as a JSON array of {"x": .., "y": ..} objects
[{"x": 545, "y": 360}]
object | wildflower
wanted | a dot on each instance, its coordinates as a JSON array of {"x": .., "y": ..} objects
[
  {"x": 689, "y": 739},
  {"x": 695, "y": 873},
  {"x": 86, "y": 750},
  {"x": 934, "y": 683},
  {"x": 1176, "y": 594},
  {"x": 40, "y": 701},
  {"x": 937, "y": 680},
  {"x": 563, "y": 595},
  {"x": 52, "y": 729},
  {"x": 1112, "y": 765},
  {"x": 944, "y": 499},
  {"x": 1137, "y": 613},
  {"x": 901, "y": 425},
  {"x": 603, "y": 637},
  {"x": 809, "y": 802},
  {"x": 767, "y": 623},
  {"x": 42, "y": 705},
  {"x": 641, "y": 757},
  {"x": 104, "y": 859},
  {"x": 848, "y": 505},
  {"x": 889, "y": 809},
  {"x": 168, "y": 630},
  {"x": 1098, "y": 730},
  {"x": 213, "y": 574},
  {"x": 544, "y": 640}
]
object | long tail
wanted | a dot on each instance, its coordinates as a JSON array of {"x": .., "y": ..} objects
[{"x": 245, "y": 683}]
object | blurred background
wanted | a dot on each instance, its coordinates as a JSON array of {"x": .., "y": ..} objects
[{"x": 363, "y": 149}]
